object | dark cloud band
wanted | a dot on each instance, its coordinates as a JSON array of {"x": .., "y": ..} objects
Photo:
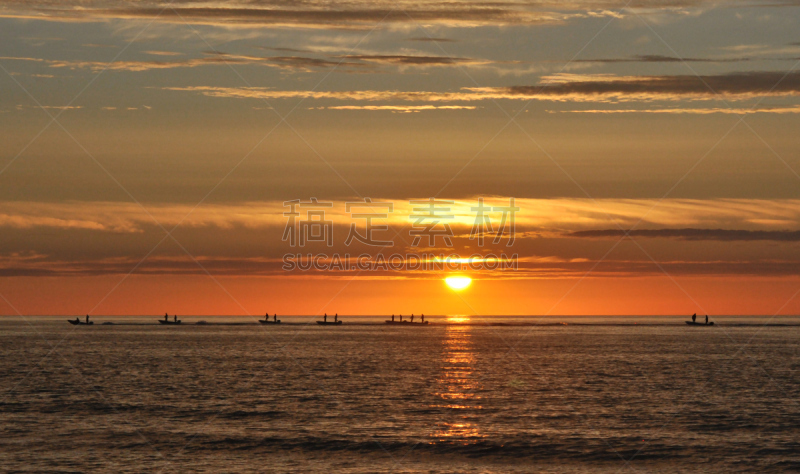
[{"x": 693, "y": 234}]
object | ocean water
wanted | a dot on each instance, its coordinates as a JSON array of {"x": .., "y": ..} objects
[{"x": 459, "y": 395}]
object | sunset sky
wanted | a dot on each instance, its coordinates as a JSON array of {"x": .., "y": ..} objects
[{"x": 148, "y": 149}]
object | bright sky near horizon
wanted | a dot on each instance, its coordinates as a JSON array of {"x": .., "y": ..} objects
[{"x": 148, "y": 149}]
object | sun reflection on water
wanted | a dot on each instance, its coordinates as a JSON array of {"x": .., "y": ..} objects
[
  {"x": 457, "y": 388},
  {"x": 457, "y": 319}
]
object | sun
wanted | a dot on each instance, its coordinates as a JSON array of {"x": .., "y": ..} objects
[{"x": 458, "y": 283}]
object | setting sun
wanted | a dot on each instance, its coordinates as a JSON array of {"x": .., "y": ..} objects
[{"x": 458, "y": 282}]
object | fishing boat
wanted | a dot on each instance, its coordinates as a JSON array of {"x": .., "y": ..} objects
[
  {"x": 329, "y": 323},
  {"x": 266, "y": 320},
  {"x": 325, "y": 321},
  {"x": 78, "y": 322},
  {"x": 695, "y": 323},
  {"x": 402, "y": 321},
  {"x": 166, "y": 320}
]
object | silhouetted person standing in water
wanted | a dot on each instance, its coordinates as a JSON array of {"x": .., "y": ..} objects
[
  {"x": 694, "y": 316},
  {"x": 274, "y": 318},
  {"x": 166, "y": 317},
  {"x": 706, "y": 319},
  {"x": 412, "y": 318},
  {"x": 423, "y": 318},
  {"x": 336, "y": 317},
  {"x": 175, "y": 318},
  {"x": 87, "y": 319},
  {"x": 392, "y": 318},
  {"x": 325, "y": 318}
]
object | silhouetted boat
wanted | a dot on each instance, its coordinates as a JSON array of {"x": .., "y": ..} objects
[
  {"x": 693, "y": 323},
  {"x": 330, "y": 323},
  {"x": 78, "y": 322},
  {"x": 388, "y": 321},
  {"x": 169, "y": 322},
  {"x": 266, "y": 320}
]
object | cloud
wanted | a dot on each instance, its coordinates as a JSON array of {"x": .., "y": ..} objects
[
  {"x": 285, "y": 50},
  {"x": 530, "y": 267},
  {"x": 700, "y": 111},
  {"x": 358, "y": 14},
  {"x": 693, "y": 234},
  {"x": 348, "y": 63},
  {"x": 432, "y": 39},
  {"x": 741, "y": 85},
  {"x": 163, "y": 53},
  {"x": 656, "y": 58},
  {"x": 554, "y": 216},
  {"x": 50, "y": 107},
  {"x": 408, "y": 60},
  {"x": 563, "y": 88},
  {"x": 211, "y": 58},
  {"x": 232, "y": 236},
  {"x": 400, "y": 108}
]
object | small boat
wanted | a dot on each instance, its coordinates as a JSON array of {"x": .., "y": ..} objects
[
  {"x": 166, "y": 319},
  {"x": 335, "y": 321},
  {"x": 695, "y": 323},
  {"x": 266, "y": 320},
  {"x": 78, "y": 322},
  {"x": 400, "y": 320}
]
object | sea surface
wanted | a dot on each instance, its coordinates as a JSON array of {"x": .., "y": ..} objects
[{"x": 462, "y": 394}]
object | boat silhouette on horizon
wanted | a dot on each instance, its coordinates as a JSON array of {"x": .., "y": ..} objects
[
  {"x": 325, "y": 321},
  {"x": 78, "y": 322},
  {"x": 693, "y": 322},
  {"x": 167, "y": 321},
  {"x": 266, "y": 320},
  {"x": 406, "y": 321}
]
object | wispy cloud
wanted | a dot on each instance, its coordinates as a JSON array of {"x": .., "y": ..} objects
[
  {"x": 540, "y": 215},
  {"x": 587, "y": 87},
  {"x": 560, "y": 225},
  {"x": 400, "y": 108},
  {"x": 348, "y": 63},
  {"x": 692, "y": 234},
  {"x": 411, "y": 60},
  {"x": 563, "y": 88},
  {"x": 319, "y": 14},
  {"x": 433, "y": 39},
  {"x": 50, "y": 107},
  {"x": 657, "y": 58},
  {"x": 163, "y": 53},
  {"x": 699, "y": 111}
]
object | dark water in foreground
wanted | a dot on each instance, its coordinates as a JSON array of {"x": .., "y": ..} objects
[{"x": 375, "y": 398}]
